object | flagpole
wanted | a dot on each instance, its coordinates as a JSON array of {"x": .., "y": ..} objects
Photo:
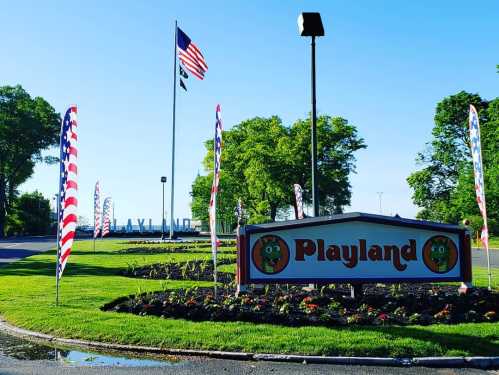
[
  {"x": 214, "y": 245},
  {"x": 484, "y": 211},
  {"x": 94, "y": 219},
  {"x": 486, "y": 242},
  {"x": 58, "y": 250},
  {"x": 173, "y": 131},
  {"x": 486, "y": 245},
  {"x": 58, "y": 218}
]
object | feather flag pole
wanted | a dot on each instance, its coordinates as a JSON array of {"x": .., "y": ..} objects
[
  {"x": 106, "y": 216},
  {"x": 217, "y": 151},
  {"x": 476, "y": 153},
  {"x": 67, "y": 202},
  {"x": 97, "y": 211}
]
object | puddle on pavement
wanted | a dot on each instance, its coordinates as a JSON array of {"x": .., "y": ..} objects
[{"x": 22, "y": 349}]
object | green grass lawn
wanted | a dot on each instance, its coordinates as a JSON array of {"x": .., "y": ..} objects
[
  {"x": 27, "y": 299},
  {"x": 493, "y": 243}
]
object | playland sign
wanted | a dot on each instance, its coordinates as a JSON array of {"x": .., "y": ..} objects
[{"x": 353, "y": 248}]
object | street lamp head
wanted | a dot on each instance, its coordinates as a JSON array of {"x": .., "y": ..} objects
[
  {"x": 310, "y": 24},
  {"x": 163, "y": 179}
]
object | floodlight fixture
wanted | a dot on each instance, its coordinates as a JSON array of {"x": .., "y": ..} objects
[{"x": 310, "y": 24}]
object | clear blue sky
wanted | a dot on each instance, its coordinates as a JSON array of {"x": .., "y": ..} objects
[{"x": 382, "y": 65}]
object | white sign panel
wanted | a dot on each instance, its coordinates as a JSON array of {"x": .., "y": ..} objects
[{"x": 353, "y": 250}]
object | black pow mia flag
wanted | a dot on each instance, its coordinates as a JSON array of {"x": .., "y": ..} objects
[
  {"x": 182, "y": 84},
  {"x": 183, "y": 72}
]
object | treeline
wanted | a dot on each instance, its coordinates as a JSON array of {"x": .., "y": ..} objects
[
  {"x": 262, "y": 159},
  {"x": 444, "y": 187},
  {"x": 27, "y": 127},
  {"x": 29, "y": 214}
]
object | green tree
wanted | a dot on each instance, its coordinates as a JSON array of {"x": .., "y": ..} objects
[
  {"x": 30, "y": 214},
  {"x": 337, "y": 142},
  {"x": 27, "y": 126},
  {"x": 262, "y": 159},
  {"x": 444, "y": 187}
]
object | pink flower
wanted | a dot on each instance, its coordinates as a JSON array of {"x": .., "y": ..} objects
[{"x": 383, "y": 317}]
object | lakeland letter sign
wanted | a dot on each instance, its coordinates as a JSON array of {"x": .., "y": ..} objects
[{"x": 355, "y": 248}]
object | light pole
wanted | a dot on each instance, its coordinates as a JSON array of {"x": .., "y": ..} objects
[
  {"x": 380, "y": 193},
  {"x": 310, "y": 24},
  {"x": 163, "y": 181}
]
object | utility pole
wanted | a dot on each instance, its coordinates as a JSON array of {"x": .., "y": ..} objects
[{"x": 380, "y": 193}]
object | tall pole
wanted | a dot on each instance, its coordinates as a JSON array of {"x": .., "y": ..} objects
[
  {"x": 315, "y": 180},
  {"x": 163, "y": 215},
  {"x": 58, "y": 218},
  {"x": 214, "y": 213},
  {"x": 57, "y": 262},
  {"x": 94, "y": 221},
  {"x": 380, "y": 193},
  {"x": 173, "y": 131}
]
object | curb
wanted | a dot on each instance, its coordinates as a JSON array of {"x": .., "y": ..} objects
[{"x": 447, "y": 362}]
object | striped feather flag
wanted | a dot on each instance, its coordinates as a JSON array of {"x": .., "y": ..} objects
[
  {"x": 476, "y": 153},
  {"x": 106, "y": 216},
  {"x": 216, "y": 181},
  {"x": 68, "y": 188},
  {"x": 97, "y": 211}
]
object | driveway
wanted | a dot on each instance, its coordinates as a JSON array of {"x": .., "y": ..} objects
[
  {"x": 13, "y": 249},
  {"x": 479, "y": 258}
]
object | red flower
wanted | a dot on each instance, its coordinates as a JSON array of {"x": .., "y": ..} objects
[
  {"x": 311, "y": 307},
  {"x": 307, "y": 300},
  {"x": 383, "y": 317}
]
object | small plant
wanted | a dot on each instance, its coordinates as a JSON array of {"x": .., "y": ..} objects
[
  {"x": 490, "y": 316},
  {"x": 131, "y": 267},
  {"x": 415, "y": 318},
  {"x": 163, "y": 285},
  {"x": 202, "y": 266},
  {"x": 396, "y": 290},
  {"x": 184, "y": 269}
]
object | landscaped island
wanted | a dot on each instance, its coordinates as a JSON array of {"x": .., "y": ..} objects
[{"x": 385, "y": 323}]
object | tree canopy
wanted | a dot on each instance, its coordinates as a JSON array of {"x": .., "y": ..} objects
[
  {"x": 27, "y": 127},
  {"x": 262, "y": 159},
  {"x": 29, "y": 214},
  {"x": 444, "y": 186}
]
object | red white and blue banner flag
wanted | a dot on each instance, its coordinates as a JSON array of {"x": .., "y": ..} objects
[
  {"x": 68, "y": 188},
  {"x": 106, "y": 216},
  {"x": 97, "y": 211},
  {"x": 190, "y": 56},
  {"x": 476, "y": 153},
  {"x": 299, "y": 201},
  {"x": 217, "y": 149}
]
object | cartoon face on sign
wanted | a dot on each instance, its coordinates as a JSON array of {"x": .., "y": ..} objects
[
  {"x": 270, "y": 254},
  {"x": 440, "y": 254}
]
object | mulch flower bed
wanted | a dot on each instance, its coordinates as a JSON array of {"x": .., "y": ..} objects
[
  {"x": 400, "y": 304},
  {"x": 171, "y": 250},
  {"x": 198, "y": 270}
]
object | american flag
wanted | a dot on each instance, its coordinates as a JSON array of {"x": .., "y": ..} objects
[
  {"x": 190, "y": 55},
  {"x": 97, "y": 212},
  {"x": 476, "y": 153},
  {"x": 106, "y": 216},
  {"x": 299, "y": 200},
  {"x": 67, "y": 189},
  {"x": 216, "y": 180}
]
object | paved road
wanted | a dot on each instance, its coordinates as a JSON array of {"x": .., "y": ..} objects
[
  {"x": 480, "y": 259},
  {"x": 221, "y": 367},
  {"x": 17, "y": 248}
]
